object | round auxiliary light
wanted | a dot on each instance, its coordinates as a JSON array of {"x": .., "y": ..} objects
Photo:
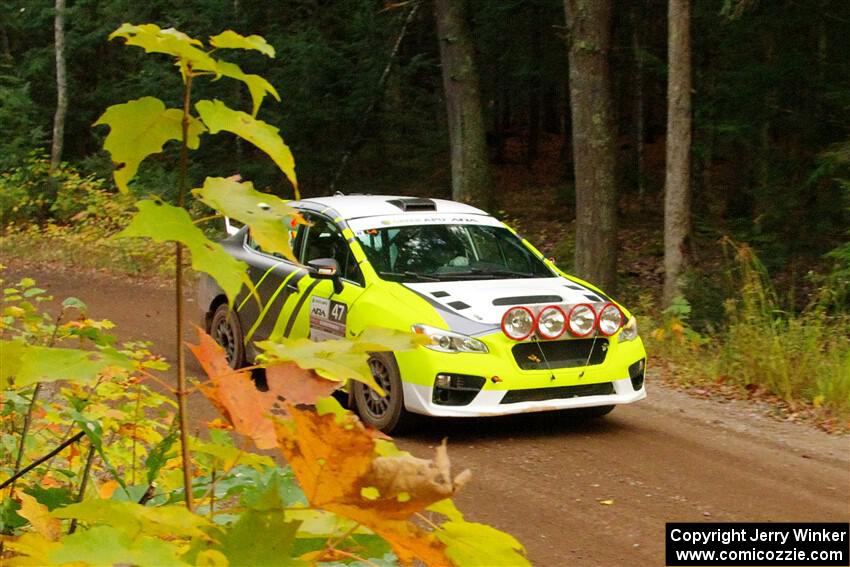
[
  {"x": 610, "y": 319},
  {"x": 551, "y": 322},
  {"x": 518, "y": 323},
  {"x": 582, "y": 320}
]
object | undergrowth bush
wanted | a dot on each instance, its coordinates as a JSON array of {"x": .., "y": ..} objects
[
  {"x": 76, "y": 229},
  {"x": 798, "y": 356}
]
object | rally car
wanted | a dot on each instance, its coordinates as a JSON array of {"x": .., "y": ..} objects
[{"x": 507, "y": 331}]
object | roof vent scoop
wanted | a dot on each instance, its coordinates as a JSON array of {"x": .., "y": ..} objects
[
  {"x": 414, "y": 204},
  {"x": 528, "y": 299}
]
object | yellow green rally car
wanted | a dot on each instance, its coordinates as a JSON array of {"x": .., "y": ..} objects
[{"x": 509, "y": 332}]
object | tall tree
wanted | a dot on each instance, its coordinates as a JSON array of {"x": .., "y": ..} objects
[
  {"x": 677, "y": 178},
  {"x": 471, "y": 180},
  {"x": 61, "y": 87},
  {"x": 594, "y": 150},
  {"x": 639, "y": 111}
]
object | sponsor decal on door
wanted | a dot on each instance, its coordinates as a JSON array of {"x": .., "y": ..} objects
[{"x": 327, "y": 319}]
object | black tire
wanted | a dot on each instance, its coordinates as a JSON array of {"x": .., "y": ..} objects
[
  {"x": 594, "y": 412},
  {"x": 386, "y": 413},
  {"x": 227, "y": 332}
]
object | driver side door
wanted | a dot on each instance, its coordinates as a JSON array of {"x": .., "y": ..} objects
[{"x": 320, "y": 311}]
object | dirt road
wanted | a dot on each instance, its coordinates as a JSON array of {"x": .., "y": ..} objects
[{"x": 544, "y": 478}]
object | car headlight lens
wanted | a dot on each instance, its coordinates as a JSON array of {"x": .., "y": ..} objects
[
  {"x": 610, "y": 319},
  {"x": 518, "y": 323},
  {"x": 582, "y": 320},
  {"x": 630, "y": 330},
  {"x": 552, "y": 322},
  {"x": 447, "y": 341}
]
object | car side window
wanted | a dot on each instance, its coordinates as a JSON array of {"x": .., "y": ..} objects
[{"x": 324, "y": 240}]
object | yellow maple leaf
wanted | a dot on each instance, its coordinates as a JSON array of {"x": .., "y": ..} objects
[{"x": 39, "y": 517}]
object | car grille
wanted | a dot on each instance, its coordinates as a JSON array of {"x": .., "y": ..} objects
[
  {"x": 558, "y": 393},
  {"x": 560, "y": 354}
]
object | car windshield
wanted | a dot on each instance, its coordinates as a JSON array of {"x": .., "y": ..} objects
[{"x": 447, "y": 252}]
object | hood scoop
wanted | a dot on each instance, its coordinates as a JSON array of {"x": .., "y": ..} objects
[{"x": 528, "y": 299}]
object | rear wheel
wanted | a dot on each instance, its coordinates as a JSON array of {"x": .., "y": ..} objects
[
  {"x": 227, "y": 332},
  {"x": 386, "y": 412}
]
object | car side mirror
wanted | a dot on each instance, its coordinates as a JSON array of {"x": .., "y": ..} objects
[{"x": 326, "y": 269}]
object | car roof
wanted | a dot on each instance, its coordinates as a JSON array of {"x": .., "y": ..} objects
[{"x": 360, "y": 206}]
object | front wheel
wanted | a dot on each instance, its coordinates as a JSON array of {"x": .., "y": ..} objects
[
  {"x": 227, "y": 332},
  {"x": 386, "y": 412},
  {"x": 593, "y": 412}
]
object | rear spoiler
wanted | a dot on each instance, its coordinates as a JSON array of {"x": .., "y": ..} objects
[{"x": 230, "y": 227}]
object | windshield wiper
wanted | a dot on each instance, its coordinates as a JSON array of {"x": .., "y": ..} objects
[{"x": 409, "y": 274}]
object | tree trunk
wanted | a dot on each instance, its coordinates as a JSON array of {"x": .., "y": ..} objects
[
  {"x": 551, "y": 110},
  {"x": 61, "y": 88},
  {"x": 640, "y": 111},
  {"x": 534, "y": 87},
  {"x": 499, "y": 123},
  {"x": 677, "y": 179},
  {"x": 470, "y": 166},
  {"x": 5, "y": 48},
  {"x": 594, "y": 150}
]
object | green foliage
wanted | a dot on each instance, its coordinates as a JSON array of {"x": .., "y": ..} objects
[
  {"x": 79, "y": 224},
  {"x": 218, "y": 117},
  {"x": 29, "y": 364},
  {"x": 761, "y": 343},
  {"x": 21, "y": 132},
  {"x": 564, "y": 252},
  {"x": 159, "y": 521},
  {"x": 250, "y": 510},
  {"x": 469, "y": 543},
  {"x": 163, "y": 222},
  {"x": 24, "y": 193},
  {"x": 140, "y": 128},
  {"x": 269, "y": 216},
  {"x": 272, "y": 528},
  {"x": 341, "y": 359},
  {"x": 110, "y": 406},
  {"x": 231, "y": 40},
  {"x": 795, "y": 356},
  {"x": 257, "y": 85},
  {"x": 140, "y": 521}
]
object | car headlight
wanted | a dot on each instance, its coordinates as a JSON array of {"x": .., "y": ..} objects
[
  {"x": 447, "y": 341},
  {"x": 610, "y": 319},
  {"x": 630, "y": 330},
  {"x": 582, "y": 320},
  {"x": 518, "y": 323},
  {"x": 552, "y": 322}
]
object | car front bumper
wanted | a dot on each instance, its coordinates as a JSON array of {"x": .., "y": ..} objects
[{"x": 608, "y": 383}]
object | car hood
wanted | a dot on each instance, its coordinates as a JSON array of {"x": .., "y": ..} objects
[{"x": 485, "y": 301}]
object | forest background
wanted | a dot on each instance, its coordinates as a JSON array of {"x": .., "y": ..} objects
[{"x": 565, "y": 115}]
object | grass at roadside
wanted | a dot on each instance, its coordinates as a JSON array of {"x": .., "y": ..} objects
[
  {"x": 57, "y": 245},
  {"x": 800, "y": 359},
  {"x": 74, "y": 228}
]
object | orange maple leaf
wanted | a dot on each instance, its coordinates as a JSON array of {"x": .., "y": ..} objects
[
  {"x": 297, "y": 385},
  {"x": 234, "y": 394},
  {"x": 247, "y": 409},
  {"x": 335, "y": 463}
]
